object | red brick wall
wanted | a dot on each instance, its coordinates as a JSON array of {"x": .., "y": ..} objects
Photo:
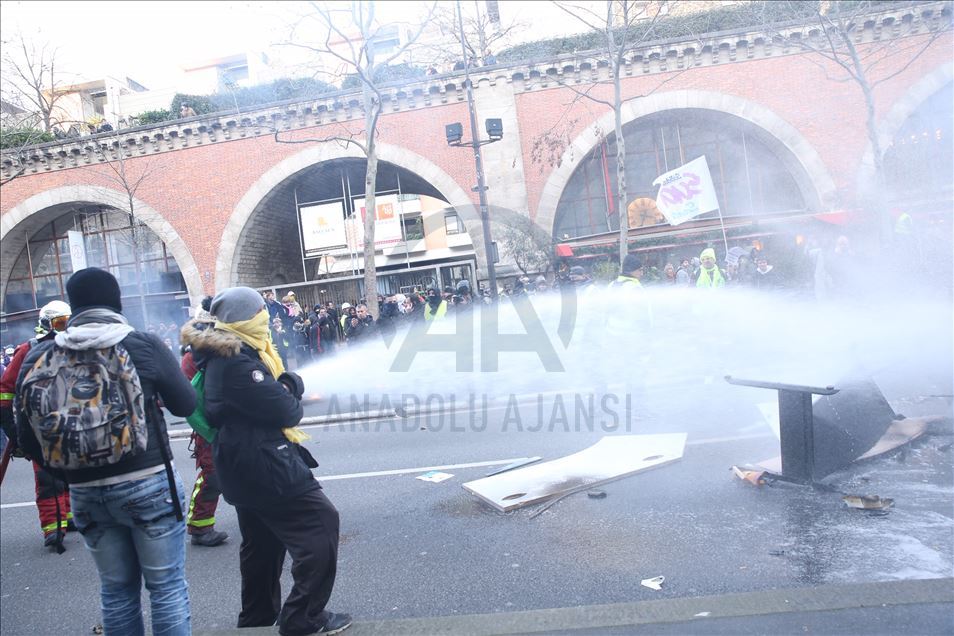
[
  {"x": 829, "y": 114},
  {"x": 196, "y": 189}
]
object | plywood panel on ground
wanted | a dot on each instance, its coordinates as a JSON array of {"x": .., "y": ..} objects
[{"x": 610, "y": 458}]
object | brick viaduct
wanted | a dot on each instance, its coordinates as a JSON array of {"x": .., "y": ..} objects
[{"x": 210, "y": 173}]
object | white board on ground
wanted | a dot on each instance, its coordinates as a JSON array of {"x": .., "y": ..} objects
[{"x": 610, "y": 458}]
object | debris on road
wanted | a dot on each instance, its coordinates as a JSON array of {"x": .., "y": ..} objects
[
  {"x": 654, "y": 583},
  {"x": 702, "y": 614},
  {"x": 776, "y": 552},
  {"x": 609, "y": 459},
  {"x": 97, "y": 629},
  {"x": 868, "y": 502},
  {"x": 596, "y": 494},
  {"x": 754, "y": 477},
  {"x": 520, "y": 463},
  {"x": 434, "y": 476}
]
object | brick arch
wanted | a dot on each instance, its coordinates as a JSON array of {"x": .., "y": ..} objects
[
  {"x": 909, "y": 102},
  {"x": 806, "y": 166},
  {"x": 21, "y": 215},
  {"x": 228, "y": 257}
]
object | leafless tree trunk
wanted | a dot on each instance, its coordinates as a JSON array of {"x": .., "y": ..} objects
[
  {"x": 357, "y": 54},
  {"x": 128, "y": 177},
  {"x": 841, "y": 39},
  {"x": 619, "y": 41}
]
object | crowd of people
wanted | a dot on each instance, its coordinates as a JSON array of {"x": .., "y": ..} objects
[{"x": 82, "y": 401}]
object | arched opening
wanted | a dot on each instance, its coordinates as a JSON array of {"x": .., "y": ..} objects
[
  {"x": 920, "y": 159},
  {"x": 918, "y": 165},
  {"x": 68, "y": 236},
  {"x": 306, "y": 234},
  {"x": 752, "y": 176}
]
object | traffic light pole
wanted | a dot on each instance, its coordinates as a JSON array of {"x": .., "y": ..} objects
[{"x": 478, "y": 161}]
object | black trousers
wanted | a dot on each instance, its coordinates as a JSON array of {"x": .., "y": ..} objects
[{"x": 307, "y": 528}]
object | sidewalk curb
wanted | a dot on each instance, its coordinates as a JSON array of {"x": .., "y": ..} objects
[{"x": 672, "y": 610}]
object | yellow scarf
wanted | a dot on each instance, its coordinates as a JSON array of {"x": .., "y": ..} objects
[{"x": 254, "y": 332}]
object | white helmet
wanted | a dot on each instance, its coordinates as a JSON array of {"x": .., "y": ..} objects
[
  {"x": 52, "y": 310},
  {"x": 346, "y": 305}
]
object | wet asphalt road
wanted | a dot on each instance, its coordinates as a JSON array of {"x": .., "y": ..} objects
[{"x": 411, "y": 548}]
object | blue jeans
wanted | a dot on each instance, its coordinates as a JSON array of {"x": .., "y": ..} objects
[{"x": 132, "y": 532}]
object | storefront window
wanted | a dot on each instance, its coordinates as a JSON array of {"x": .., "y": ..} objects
[{"x": 749, "y": 178}]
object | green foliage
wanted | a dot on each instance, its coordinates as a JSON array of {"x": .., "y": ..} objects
[
  {"x": 386, "y": 74},
  {"x": 252, "y": 96},
  {"x": 201, "y": 104},
  {"x": 154, "y": 116},
  {"x": 605, "y": 271},
  {"x": 19, "y": 137},
  {"x": 751, "y": 14}
]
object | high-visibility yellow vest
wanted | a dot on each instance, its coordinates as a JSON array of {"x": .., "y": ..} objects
[
  {"x": 438, "y": 313},
  {"x": 716, "y": 280}
]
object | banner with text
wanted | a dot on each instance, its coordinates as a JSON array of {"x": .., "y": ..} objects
[
  {"x": 686, "y": 192},
  {"x": 322, "y": 227},
  {"x": 387, "y": 225}
]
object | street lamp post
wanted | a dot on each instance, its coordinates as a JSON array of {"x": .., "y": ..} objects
[{"x": 475, "y": 143}]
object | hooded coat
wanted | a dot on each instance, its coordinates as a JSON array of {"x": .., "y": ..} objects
[{"x": 256, "y": 464}]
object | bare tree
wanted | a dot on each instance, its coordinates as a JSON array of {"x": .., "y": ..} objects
[
  {"x": 32, "y": 79},
  {"x": 531, "y": 248},
  {"x": 350, "y": 36},
  {"x": 840, "y": 38},
  {"x": 483, "y": 34},
  {"x": 616, "y": 25},
  {"x": 127, "y": 175}
]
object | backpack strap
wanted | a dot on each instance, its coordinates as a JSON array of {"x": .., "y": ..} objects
[{"x": 163, "y": 441}]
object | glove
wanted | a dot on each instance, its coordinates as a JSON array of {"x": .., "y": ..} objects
[{"x": 294, "y": 383}]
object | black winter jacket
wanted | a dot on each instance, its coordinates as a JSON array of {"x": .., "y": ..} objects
[
  {"x": 256, "y": 464},
  {"x": 161, "y": 378}
]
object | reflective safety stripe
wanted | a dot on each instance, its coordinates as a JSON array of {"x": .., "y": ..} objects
[
  {"x": 197, "y": 523},
  {"x": 50, "y": 527},
  {"x": 202, "y": 523},
  {"x": 7, "y": 396},
  {"x": 195, "y": 495}
]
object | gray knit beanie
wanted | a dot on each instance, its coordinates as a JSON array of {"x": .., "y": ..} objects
[{"x": 237, "y": 304}]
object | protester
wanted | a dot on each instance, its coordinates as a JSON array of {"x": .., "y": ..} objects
[
  {"x": 710, "y": 275},
  {"x": 361, "y": 325},
  {"x": 436, "y": 307},
  {"x": 265, "y": 473},
  {"x": 275, "y": 308},
  {"x": 765, "y": 276},
  {"x": 206, "y": 491},
  {"x": 684, "y": 274},
  {"x": 52, "y": 494},
  {"x": 129, "y": 512}
]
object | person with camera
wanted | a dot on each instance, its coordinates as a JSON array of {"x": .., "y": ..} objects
[
  {"x": 265, "y": 472},
  {"x": 360, "y": 326}
]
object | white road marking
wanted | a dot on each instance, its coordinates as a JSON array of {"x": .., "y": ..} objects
[
  {"x": 497, "y": 462},
  {"x": 423, "y": 469}
]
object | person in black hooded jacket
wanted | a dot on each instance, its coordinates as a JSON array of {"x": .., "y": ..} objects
[
  {"x": 264, "y": 472},
  {"x": 125, "y": 511}
]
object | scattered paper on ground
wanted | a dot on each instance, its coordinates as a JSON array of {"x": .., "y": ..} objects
[
  {"x": 434, "y": 476},
  {"x": 610, "y": 458},
  {"x": 654, "y": 583},
  {"x": 868, "y": 502}
]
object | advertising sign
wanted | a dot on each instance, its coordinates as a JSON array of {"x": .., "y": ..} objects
[
  {"x": 686, "y": 192},
  {"x": 322, "y": 227},
  {"x": 387, "y": 225}
]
